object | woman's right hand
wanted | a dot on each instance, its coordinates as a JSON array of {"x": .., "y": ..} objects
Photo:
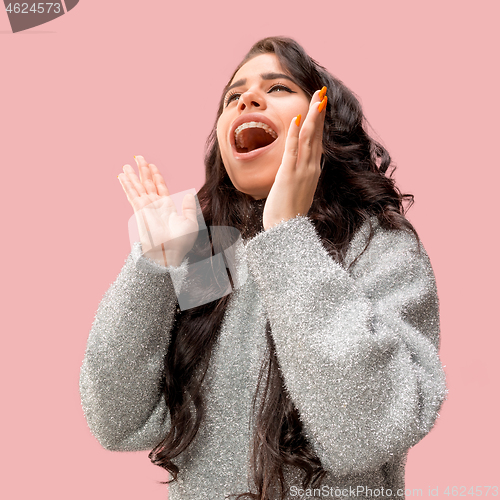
[{"x": 166, "y": 236}]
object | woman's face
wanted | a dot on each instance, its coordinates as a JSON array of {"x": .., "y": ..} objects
[{"x": 253, "y": 126}]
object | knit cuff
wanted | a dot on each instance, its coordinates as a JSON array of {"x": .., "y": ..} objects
[{"x": 147, "y": 266}]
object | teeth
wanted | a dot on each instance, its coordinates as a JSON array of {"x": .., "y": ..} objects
[{"x": 267, "y": 128}]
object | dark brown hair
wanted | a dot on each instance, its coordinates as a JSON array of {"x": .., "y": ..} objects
[{"x": 352, "y": 187}]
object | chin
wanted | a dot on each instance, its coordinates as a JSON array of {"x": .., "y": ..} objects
[
  {"x": 256, "y": 186},
  {"x": 255, "y": 193},
  {"x": 252, "y": 179}
]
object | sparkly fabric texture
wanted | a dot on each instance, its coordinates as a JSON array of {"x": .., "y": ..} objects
[{"x": 357, "y": 349}]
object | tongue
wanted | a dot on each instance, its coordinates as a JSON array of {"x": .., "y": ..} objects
[{"x": 254, "y": 138}]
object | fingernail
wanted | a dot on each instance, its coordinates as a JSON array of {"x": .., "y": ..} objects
[
  {"x": 136, "y": 160},
  {"x": 322, "y": 93},
  {"x": 297, "y": 120},
  {"x": 322, "y": 104}
]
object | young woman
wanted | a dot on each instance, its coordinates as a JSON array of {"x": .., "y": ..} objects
[{"x": 319, "y": 371}]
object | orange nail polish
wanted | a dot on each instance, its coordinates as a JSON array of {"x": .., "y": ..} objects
[
  {"x": 297, "y": 120},
  {"x": 322, "y": 93},
  {"x": 322, "y": 104}
]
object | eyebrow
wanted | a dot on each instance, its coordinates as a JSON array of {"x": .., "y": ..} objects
[{"x": 264, "y": 76}]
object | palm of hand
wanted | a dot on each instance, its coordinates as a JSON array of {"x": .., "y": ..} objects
[
  {"x": 292, "y": 192},
  {"x": 165, "y": 235},
  {"x": 159, "y": 221}
]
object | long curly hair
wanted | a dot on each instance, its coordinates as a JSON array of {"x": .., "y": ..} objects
[{"x": 353, "y": 186}]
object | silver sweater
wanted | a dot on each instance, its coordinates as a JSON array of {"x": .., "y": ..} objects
[{"x": 357, "y": 348}]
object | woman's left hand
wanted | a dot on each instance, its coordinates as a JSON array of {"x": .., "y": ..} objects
[{"x": 297, "y": 178}]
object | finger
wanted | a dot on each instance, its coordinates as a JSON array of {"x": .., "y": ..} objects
[
  {"x": 315, "y": 100},
  {"x": 161, "y": 187},
  {"x": 145, "y": 175},
  {"x": 291, "y": 152},
  {"x": 189, "y": 207},
  {"x": 308, "y": 129},
  {"x": 128, "y": 187},
  {"x": 132, "y": 177},
  {"x": 320, "y": 124},
  {"x": 311, "y": 133}
]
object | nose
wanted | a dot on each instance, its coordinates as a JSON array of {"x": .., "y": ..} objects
[{"x": 251, "y": 99}]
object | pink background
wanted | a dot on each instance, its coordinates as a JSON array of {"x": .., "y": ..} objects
[{"x": 83, "y": 94}]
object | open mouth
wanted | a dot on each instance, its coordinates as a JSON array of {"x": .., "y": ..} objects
[{"x": 251, "y": 136}]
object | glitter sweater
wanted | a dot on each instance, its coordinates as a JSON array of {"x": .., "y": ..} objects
[{"x": 357, "y": 348}]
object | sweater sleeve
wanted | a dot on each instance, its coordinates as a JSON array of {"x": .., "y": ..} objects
[
  {"x": 122, "y": 371},
  {"x": 358, "y": 349}
]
